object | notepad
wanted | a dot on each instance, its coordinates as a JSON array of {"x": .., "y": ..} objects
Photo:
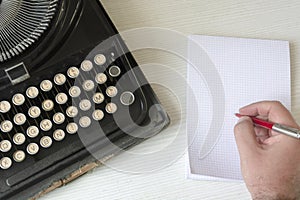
[{"x": 224, "y": 74}]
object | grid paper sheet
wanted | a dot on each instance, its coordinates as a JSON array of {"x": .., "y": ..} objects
[{"x": 249, "y": 70}]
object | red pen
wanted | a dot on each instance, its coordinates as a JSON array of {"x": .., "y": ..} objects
[{"x": 293, "y": 132}]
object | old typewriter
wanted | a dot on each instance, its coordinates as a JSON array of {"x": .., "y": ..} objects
[{"x": 70, "y": 94}]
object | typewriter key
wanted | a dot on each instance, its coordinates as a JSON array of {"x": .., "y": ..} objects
[
  {"x": 46, "y": 85},
  {"x": 34, "y": 112},
  {"x": 5, "y": 163},
  {"x": 32, "y": 148},
  {"x": 98, "y": 115},
  {"x": 32, "y": 92},
  {"x": 72, "y": 128},
  {"x": 6, "y": 126},
  {"x": 58, "y": 135},
  {"x": 19, "y": 156},
  {"x": 88, "y": 85},
  {"x": 5, "y": 146},
  {"x": 18, "y": 99},
  {"x": 98, "y": 98},
  {"x": 74, "y": 91},
  {"x": 127, "y": 98},
  {"x": 61, "y": 98},
  {"x": 111, "y": 108},
  {"x": 72, "y": 111},
  {"x": 47, "y": 105},
  {"x": 111, "y": 91},
  {"x": 85, "y": 105},
  {"x": 19, "y": 138},
  {"x": 73, "y": 72},
  {"x": 86, "y": 65},
  {"x": 100, "y": 59},
  {"x": 46, "y": 125},
  {"x": 32, "y": 131},
  {"x": 84, "y": 121},
  {"x": 4, "y": 106},
  {"x": 59, "y": 79},
  {"x": 101, "y": 78},
  {"x": 46, "y": 141},
  {"x": 58, "y": 118},
  {"x": 114, "y": 71},
  {"x": 19, "y": 119}
]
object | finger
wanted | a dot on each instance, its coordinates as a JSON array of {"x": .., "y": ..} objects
[
  {"x": 246, "y": 138},
  {"x": 273, "y": 110},
  {"x": 261, "y": 132}
]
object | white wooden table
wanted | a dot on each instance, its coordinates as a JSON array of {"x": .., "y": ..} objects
[{"x": 263, "y": 19}]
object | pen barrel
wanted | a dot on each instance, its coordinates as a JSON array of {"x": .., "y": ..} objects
[{"x": 293, "y": 132}]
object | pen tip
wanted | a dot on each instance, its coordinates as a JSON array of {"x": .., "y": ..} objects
[{"x": 238, "y": 115}]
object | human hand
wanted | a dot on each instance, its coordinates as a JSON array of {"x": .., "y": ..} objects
[{"x": 270, "y": 161}]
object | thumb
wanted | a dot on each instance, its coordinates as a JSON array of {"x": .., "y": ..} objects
[{"x": 246, "y": 138}]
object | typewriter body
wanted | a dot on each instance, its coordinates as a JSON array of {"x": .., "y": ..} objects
[{"x": 70, "y": 93}]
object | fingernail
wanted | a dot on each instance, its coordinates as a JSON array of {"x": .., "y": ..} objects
[{"x": 243, "y": 119}]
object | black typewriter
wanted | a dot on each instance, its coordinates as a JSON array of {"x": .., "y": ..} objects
[{"x": 71, "y": 94}]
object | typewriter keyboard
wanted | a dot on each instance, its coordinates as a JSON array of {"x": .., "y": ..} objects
[{"x": 43, "y": 114}]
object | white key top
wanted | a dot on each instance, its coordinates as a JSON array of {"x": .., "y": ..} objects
[
  {"x": 98, "y": 115},
  {"x": 47, "y": 105},
  {"x": 46, "y": 125},
  {"x": 98, "y": 98},
  {"x": 111, "y": 91},
  {"x": 32, "y": 131},
  {"x": 34, "y": 112},
  {"x": 86, "y": 65},
  {"x": 100, "y": 59},
  {"x": 73, "y": 72},
  {"x": 46, "y": 85},
  {"x": 58, "y": 135},
  {"x": 59, "y": 118},
  {"x": 127, "y": 98},
  {"x": 88, "y": 85},
  {"x": 5, "y": 163},
  {"x": 61, "y": 98},
  {"x": 84, "y": 121},
  {"x": 114, "y": 71},
  {"x": 72, "y": 111},
  {"x": 72, "y": 128},
  {"x": 74, "y": 91},
  {"x": 19, "y": 119},
  {"x": 85, "y": 104},
  {"x": 59, "y": 79},
  {"x": 32, "y": 92},
  {"x": 111, "y": 108},
  {"x": 46, "y": 142},
  {"x": 101, "y": 78},
  {"x": 5, "y": 146},
  {"x": 19, "y": 156},
  {"x": 6, "y": 126},
  {"x": 4, "y": 106},
  {"x": 32, "y": 148},
  {"x": 19, "y": 138},
  {"x": 18, "y": 99}
]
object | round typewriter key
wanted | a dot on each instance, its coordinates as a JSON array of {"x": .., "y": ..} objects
[
  {"x": 72, "y": 128},
  {"x": 19, "y": 119},
  {"x": 98, "y": 115},
  {"x": 100, "y": 59},
  {"x": 86, "y": 65},
  {"x": 127, "y": 98},
  {"x": 6, "y": 126},
  {"x": 59, "y": 118},
  {"x": 58, "y": 135},
  {"x": 111, "y": 108},
  {"x": 34, "y": 112},
  {"x": 101, "y": 78},
  {"x": 59, "y": 79},
  {"x": 111, "y": 91},
  {"x": 19, "y": 138},
  {"x": 32, "y": 148},
  {"x": 32, "y": 92},
  {"x": 19, "y": 156},
  {"x": 18, "y": 99},
  {"x": 46, "y": 125},
  {"x": 47, "y": 105},
  {"x": 88, "y": 85},
  {"x": 5, "y": 145},
  {"x": 72, "y": 111},
  {"x": 46, "y": 85},
  {"x": 46, "y": 141},
  {"x": 61, "y": 98},
  {"x": 32, "y": 131},
  {"x": 85, "y": 105},
  {"x": 73, "y": 72},
  {"x": 5, "y": 163},
  {"x": 4, "y": 106},
  {"x": 114, "y": 71},
  {"x": 74, "y": 91},
  {"x": 84, "y": 122},
  {"x": 98, "y": 98}
]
